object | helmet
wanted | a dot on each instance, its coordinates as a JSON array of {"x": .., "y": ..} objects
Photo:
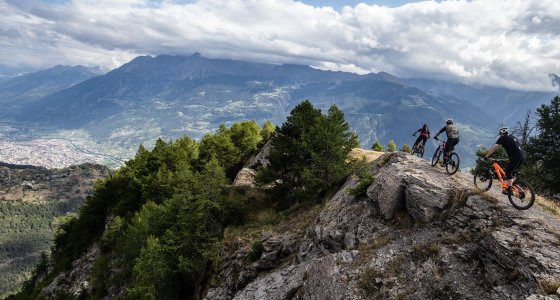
[
  {"x": 449, "y": 121},
  {"x": 425, "y": 125},
  {"x": 503, "y": 131}
]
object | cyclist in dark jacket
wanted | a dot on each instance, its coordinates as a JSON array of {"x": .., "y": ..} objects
[
  {"x": 424, "y": 135},
  {"x": 452, "y": 133},
  {"x": 516, "y": 155}
]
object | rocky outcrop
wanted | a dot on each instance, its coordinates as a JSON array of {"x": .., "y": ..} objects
[
  {"x": 417, "y": 234},
  {"x": 246, "y": 177},
  {"x": 74, "y": 282}
]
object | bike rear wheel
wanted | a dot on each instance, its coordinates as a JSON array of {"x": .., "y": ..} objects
[
  {"x": 436, "y": 156},
  {"x": 452, "y": 165},
  {"x": 522, "y": 195},
  {"x": 483, "y": 179},
  {"x": 418, "y": 151}
]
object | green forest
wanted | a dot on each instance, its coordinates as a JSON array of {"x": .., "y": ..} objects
[
  {"x": 26, "y": 230},
  {"x": 159, "y": 220}
]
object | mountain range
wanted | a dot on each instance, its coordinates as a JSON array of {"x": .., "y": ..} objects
[{"x": 170, "y": 96}]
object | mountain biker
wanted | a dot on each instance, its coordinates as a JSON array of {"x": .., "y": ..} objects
[
  {"x": 424, "y": 135},
  {"x": 452, "y": 133},
  {"x": 516, "y": 155}
]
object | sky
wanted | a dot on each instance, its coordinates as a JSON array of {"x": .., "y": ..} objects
[{"x": 505, "y": 43}]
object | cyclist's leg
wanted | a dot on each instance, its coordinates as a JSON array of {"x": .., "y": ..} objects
[
  {"x": 424, "y": 139},
  {"x": 417, "y": 141},
  {"x": 450, "y": 145},
  {"x": 513, "y": 165}
]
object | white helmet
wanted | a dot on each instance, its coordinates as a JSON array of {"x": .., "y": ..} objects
[
  {"x": 503, "y": 131},
  {"x": 449, "y": 121}
]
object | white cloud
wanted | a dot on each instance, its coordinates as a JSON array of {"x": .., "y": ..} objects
[{"x": 501, "y": 42}]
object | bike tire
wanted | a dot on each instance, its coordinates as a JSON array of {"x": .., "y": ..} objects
[
  {"x": 483, "y": 179},
  {"x": 452, "y": 165},
  {"x": 518, "y": 198},
  {"x": 418, "y": 152},
  {"x": 436, "y": 156}
]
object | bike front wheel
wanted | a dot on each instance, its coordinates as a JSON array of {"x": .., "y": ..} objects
[
  {"x": 436, "y": 156},
  {"x": 522, "y": 195},
  {"x": 483, "y": 179},
  {"x": 452, "y": 165}
]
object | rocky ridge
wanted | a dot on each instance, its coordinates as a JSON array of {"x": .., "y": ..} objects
[{"x": 418, "y": 233}]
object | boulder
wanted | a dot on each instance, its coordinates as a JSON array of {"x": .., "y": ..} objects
[{"x": 245, "y": 177}]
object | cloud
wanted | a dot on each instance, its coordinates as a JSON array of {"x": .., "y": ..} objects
[{"x": 502, "y": 42}]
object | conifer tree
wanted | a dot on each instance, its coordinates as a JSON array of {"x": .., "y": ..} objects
[
  {"x": 406, "y": 148},
  {"x": 544, "y": 149},
  {"x": 377, "y": 146},
  {"x": 308, "y": 153},
  {"x": 391, "y": 146}
]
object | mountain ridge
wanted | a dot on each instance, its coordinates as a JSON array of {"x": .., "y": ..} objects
[{"x": 167, "y": 96}]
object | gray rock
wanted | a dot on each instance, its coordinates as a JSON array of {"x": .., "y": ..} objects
[
  {"x": 245, "y": 177},
  {"x": 281, "y": 284},
  {"x": 260, "y": 159}
]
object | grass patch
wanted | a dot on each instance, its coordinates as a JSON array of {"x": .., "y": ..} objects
[
  {"x": 262, "y": 218},
  {"x": 386, "y": 158},
  {"x": 425, "y": 252},
  {"x": 368, "y": 282},
  {"x": 458, "y": 198},
  {"x": 549, "y": 285},
  {"x": 549, "y": 205}
]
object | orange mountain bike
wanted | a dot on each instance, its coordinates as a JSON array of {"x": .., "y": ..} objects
[{"x": 522, "y": 195}]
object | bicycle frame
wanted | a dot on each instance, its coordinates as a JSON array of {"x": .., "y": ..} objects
[
  {"x": 442, "y": 145},
  {"x": 501, "y": 175}
]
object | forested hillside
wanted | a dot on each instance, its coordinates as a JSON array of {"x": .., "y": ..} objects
[
  {"x": 153, "y": 229},
  {"x": 31, "y": 202}
]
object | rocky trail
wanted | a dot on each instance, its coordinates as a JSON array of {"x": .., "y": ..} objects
[{"x": 417, "y": 233}]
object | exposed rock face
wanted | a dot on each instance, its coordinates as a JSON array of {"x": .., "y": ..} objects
[
  {"x": 260, "y": 159},
  {"x": 74, "y": 282},
  {"x": 246, "y": 177},
  {"x": 418, "y": 234}
]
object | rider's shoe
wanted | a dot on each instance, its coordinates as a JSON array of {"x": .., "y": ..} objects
[{"x": 507, "y": 191}]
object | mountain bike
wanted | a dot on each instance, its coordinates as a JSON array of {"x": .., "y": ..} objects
[
  {"x": 522, "y": 195},
  {"x": 452, "y": 162},
  {"x": 418, "y": 150}
]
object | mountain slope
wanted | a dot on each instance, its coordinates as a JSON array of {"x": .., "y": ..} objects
[
  {"x": 168, "y": 96},
  {"x": 19, "y": 90},
  {"x": 31, "y": 200},
  {"x": 504, "y": 105},
  {"x": 415, "y": 233}
]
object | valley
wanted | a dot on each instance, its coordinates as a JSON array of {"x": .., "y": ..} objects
[{"x": 32, "y": 202}]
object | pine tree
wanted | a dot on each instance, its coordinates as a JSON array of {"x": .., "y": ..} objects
[
  {"x": 391, "y": 146},
  {"x": 308, "y": 153},
  {"x": 544, "y": 149},
  {"x": 377, "y": 146},
  {"x": 406, "y": 148}
]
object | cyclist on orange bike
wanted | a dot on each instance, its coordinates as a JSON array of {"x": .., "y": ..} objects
[
  {"x": 424, "y": 135},
  {"x": 516, "y": 155},
  {"x": 452, "y": 133}
]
